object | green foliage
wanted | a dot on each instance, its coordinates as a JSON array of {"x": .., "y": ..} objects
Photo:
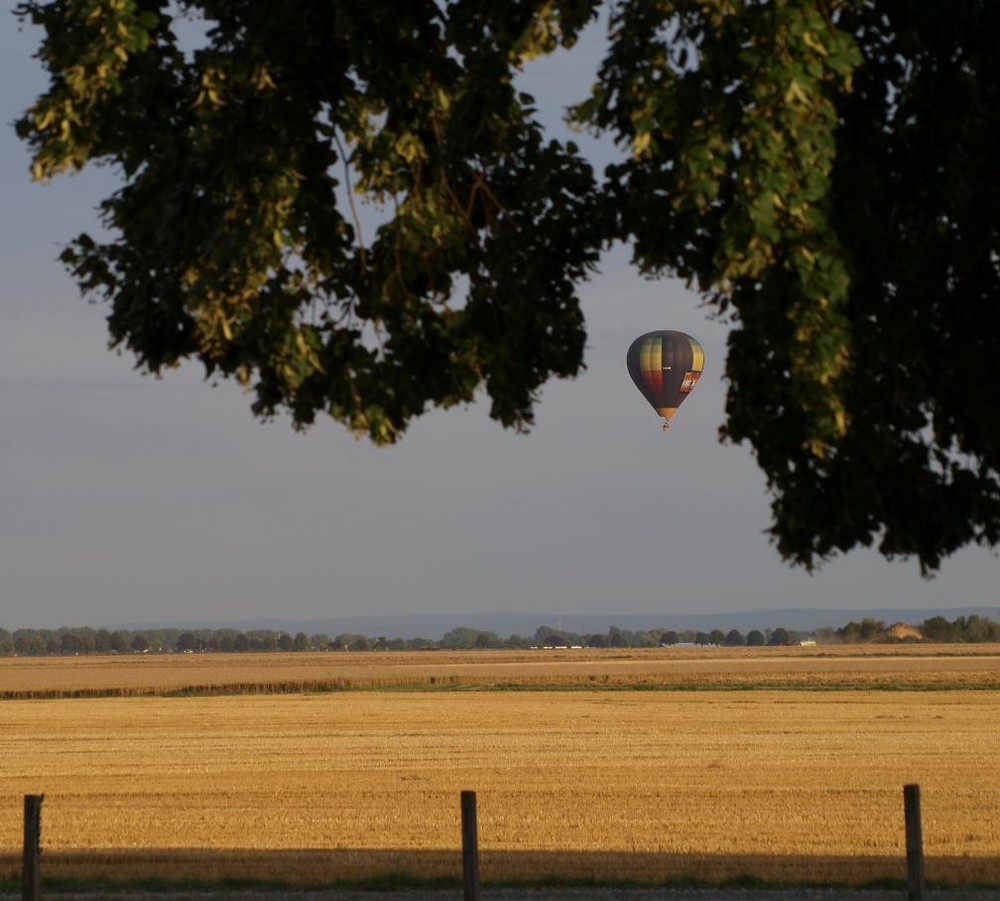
[
  {"x": 867, "y": 630},
  {"x": 779, "y": 637},
  {"x": 730, "y": 113},
  {"x": 937, "y": 628},
  {"x": 823, "y": 173},
  {"x": 463, "y": 637},
  {"x": 188, "y": 641},
  {"x": 972, "y": 628},
  {"x": 232, "y": 241}
]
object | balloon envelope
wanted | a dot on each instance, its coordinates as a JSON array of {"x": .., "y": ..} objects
[{"x": 665, "y": 367}]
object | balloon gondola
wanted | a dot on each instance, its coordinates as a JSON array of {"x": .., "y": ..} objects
[{"x": 665, "y": 366}]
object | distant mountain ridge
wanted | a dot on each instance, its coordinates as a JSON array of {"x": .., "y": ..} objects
[{"x": 435, "y": 625}]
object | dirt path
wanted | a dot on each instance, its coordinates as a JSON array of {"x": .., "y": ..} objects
[{"x": 535, "y": 894}]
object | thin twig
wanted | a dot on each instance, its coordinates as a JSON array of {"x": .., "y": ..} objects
[{"x": 362, "y": 253}]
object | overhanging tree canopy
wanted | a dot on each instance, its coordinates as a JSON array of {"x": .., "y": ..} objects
[{"x": 823, "y": 172}]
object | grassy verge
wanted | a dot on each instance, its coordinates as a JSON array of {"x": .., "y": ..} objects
[{"x": 522, "y": 684}]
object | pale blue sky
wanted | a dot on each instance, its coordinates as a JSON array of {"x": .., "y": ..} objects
[{"x": 126, "y": 499}]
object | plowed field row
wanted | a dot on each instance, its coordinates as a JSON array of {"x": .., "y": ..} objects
[{"x": 850, "y": 666}]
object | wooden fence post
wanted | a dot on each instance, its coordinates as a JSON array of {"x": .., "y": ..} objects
[
  {"x": 914, "y": 843},
  {"x": 470, "y": 847},
  {"x": 31, "y": 874}
]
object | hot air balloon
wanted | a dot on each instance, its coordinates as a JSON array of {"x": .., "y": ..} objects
[{"x": 665, "y": 367}]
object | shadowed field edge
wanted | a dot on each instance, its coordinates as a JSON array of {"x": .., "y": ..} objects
[{"x": 312, "y": 867}]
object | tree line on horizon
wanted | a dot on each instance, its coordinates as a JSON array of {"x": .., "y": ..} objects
[{"x": 87, "y": 640}]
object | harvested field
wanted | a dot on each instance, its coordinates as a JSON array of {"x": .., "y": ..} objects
[
  {"x": 824, "y": 667},
  {"x": 783, "y": 785}
]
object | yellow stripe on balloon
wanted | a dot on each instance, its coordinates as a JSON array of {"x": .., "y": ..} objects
[{"x": 698, "y": 362}]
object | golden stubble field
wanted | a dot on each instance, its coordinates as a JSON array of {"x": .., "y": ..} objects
[
  {"x": 838, "y": 666},
  {"x": 603, "y": 783}
]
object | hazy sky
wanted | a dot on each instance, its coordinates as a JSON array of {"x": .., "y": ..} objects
[{"x": 127, "y": 499}]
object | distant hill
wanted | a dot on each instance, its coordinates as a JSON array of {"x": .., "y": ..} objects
[{"x": 435, "y": 625}]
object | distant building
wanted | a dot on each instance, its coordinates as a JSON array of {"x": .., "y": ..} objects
[{"x": 902, "y": 631}]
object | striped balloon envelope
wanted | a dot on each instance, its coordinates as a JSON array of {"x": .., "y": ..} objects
[{"x": 665, "y": 367}]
